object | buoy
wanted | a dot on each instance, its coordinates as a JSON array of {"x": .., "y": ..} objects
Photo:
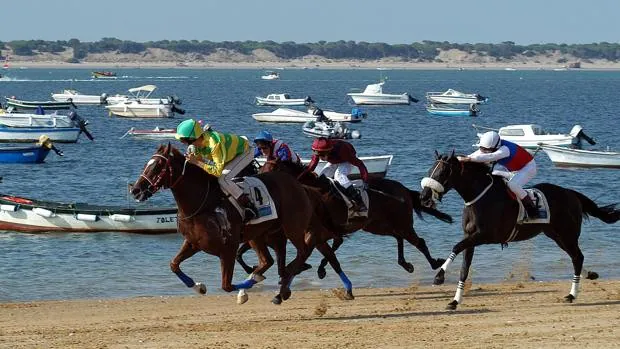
[
  {"x": 122, "y": 218},
  {"x": 8, "y": 208},
  {"x": 87, "y": 217},
  {"x": 43, "y": 212}
]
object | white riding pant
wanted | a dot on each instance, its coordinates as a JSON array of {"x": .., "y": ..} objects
[
  {"x": 517, "y": 179},
  {"x": 231, "y": 170},
  {"x": 340, "y": 172}
]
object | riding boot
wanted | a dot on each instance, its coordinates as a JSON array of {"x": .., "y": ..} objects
[
  {"x": 530, "y": 207},
  {"x": 356, "y": 198},
  {"x": 249, "y": 210}
]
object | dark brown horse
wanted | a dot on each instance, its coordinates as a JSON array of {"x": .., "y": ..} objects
[
  {"x": 390, "y": 213},
  {"x": 490, "y": 215},
  {"x": 198, "y": 195}
]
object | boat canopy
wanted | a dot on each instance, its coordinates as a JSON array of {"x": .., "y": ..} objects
[
  {"x": 374, "y": 88},
  {"x": 146, "y": 88}
]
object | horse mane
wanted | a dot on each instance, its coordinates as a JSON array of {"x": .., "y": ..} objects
[{"x": 475, "y": 168}]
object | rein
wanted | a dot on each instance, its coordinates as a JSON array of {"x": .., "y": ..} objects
[{"x": 469, "y": 203}]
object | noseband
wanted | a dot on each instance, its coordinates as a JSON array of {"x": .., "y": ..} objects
[
  {"x": 158, "y": 182},
  {"x": 433, "y": 184}
]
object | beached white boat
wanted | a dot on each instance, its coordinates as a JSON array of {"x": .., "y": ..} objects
[
  {"x": 278, "y": 99},
  {"x": 139, "y": 105},
  {"x": 74, "y": 96},
  {"x": 373, "y": 95},
  {"x": 568, "y": 157},
  {"x": 455, "y": 97},
  {"x": 292, "y": 115},
  {"x": 334, "y": 130},
  {"x": 30, "y": 215},
  {"x": 156, "y": 133},
  {"x": 377, "y": 166},
  {"x": 530, "y": 135},
  {"x": 270, "y": 75}
]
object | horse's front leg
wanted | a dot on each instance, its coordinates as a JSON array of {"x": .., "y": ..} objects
[
  {"x": 460, "y": 288},
  {"x": 401, "y": 256},
  {"x": 420, "y": 244},
  {"x": 338, "y": 240},
  {"x": 186, "y": 251},
  {"x": 468, "y": 242}
]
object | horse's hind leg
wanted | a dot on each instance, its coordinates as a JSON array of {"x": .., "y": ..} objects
[
  {"x": 420, "y": 244},
  {"x": 245, "y": 247},
  {"x": 570, "y": 244},
  {"x": 329, "y": 254},
  {"x": 186, "y": 251},
  {"x": 335, "y": 245}
]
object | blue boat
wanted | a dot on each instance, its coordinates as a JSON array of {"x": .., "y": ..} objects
[
  {"x": 443, "y": 110},
  {"x": 23, "y": 155}
]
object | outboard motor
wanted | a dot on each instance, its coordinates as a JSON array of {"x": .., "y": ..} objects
[
  {"x": 179, "y": 111},
  {"x": 577, "y": 133},
  {"x": 174, "y": 100},
  {"x": 104, "y": 98},
  {"x": 308, "y": 100},
  {"x": 81, "y": 124},
  {"x": 481, "y": 97},
  {"x": 414, "y": 100}
]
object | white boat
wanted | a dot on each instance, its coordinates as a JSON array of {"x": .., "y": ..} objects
[
  {"x": 270, "y": 75},
  {"x": 277, "y": 99},
  {"x": 530, "y": 135},
  {"x": 139, "y": 105},
  {"x": 156, "y": 133},
  {"x": 74, "y": 96},
  {"x": 455, "y": 97},
  {"x": 377, "y": 166},
  {"x": 35, "y": 120},
  {"x": 18, "y": 127},
  {"x": 567, "y": 157},
  {"x": 292, "y": 115},
  {"x": 334, "y": 130},
  {"x": 445, "y": 110},
  {"x": 30, "y": 215},
  {"x": 373, "y": 95}
]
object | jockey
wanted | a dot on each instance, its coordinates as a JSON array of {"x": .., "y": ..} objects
[
  {"x": 514, "y": 158},
  {"x": 273, "y": 149},
  {"x": 320, "y": 116},
  {"x": 340, "y": 155},
  {"x": 219, "y": 154}
]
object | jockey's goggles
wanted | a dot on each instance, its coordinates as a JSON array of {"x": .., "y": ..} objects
[{"x": 187, "y": 140}]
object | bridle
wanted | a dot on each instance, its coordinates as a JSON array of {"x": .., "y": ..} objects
[{"x": 434, "y": 185}]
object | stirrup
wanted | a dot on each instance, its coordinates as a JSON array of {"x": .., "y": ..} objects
[{"x": 249, "y": 214}]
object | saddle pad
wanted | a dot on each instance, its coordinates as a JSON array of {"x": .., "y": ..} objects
[
  {"x": 260, "y": 197},
  {"x": 357, "y": 184},
  {"x": 541, "y": 203}
]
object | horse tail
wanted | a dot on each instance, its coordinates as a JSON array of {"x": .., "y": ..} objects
[
  {"x": 608, "y": 213},
  {"x": 418, "y": 208}
]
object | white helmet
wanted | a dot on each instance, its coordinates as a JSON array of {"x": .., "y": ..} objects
[{"x": 489, "y": 140}]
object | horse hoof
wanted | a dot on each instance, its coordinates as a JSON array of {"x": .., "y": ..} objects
[
  {"x": 305, "y": 267},
  {"x": 349, "y": 295},
  {"x": 439, "y": 279},
  {"x": 200, "y": 288},
  {"x": 438, "y": 263},
  {"x": 286, "y": 294},
  {"x": 277, "y": 300},
  {"x": 242, "y": 297},
  {"x": 452, "y": 305},
  {"x": 408, "y": 267},
  {"x": 569, "y": 299},
  {"x": 592, "y": 275},
  {"x": 321, "y": 273}
]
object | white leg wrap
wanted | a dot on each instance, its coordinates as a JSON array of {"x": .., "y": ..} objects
[
  {"x": 460, "y": 288},
  {"x": 450, "y": 259},
  {"x": 574, "y": 289}
]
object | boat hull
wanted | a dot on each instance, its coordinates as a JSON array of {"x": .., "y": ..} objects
[
  {"x": 23, "y": 155},
  {"x": 32, "y": 134},
  {"x": 286, "y": 115},
  {"x": 567, "y": 157},
  {"x": 78, "y": 99},
  {"x": 449, "y": 112},
  {"x": 152, "y": 134},
  {"x": 277, "y": 103},
  {"x": 380, "y": 99},
  {"x": 377, "y": 166},
  {"x": 141, "y": 111},
  {"x": 31, "y": 105}
]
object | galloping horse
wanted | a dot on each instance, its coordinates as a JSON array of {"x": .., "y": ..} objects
[
  {"x": 390, "y": 212},
  {"x": 198, "y": 196},
  {"x": 491, "y": 212}
]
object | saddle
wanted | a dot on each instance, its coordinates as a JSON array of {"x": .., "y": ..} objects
[{"x": 339, "y": 190}]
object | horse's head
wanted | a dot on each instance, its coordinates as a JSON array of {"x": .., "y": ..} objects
[
  {"x": 163, "y": 170},
  {"x": 440, "y": 178}
]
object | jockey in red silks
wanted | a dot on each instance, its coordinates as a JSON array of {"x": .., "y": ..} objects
[
  {"x": 340, "y": 156},
  {"x": 520, "y": 165},
  {"x": 273, "y": 149}
]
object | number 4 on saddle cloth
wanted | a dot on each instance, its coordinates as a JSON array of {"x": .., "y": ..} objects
[{"x": 259, "y": 196}]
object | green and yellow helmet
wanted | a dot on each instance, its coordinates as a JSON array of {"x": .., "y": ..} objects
[{"x": 189, "y": 129}]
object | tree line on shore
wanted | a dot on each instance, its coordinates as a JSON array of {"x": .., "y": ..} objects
[{"x": 417, "y": 51}]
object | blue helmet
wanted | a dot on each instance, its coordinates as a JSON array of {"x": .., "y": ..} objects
[{"x": 263, "y": 136}]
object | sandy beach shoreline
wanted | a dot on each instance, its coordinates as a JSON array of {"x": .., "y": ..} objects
[{"x": 501, "y": 315}]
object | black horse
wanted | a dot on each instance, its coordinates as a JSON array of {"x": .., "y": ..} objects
[{"x": 490, "y": 215}]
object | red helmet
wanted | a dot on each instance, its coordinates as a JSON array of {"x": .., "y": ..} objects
[{"x": 322, "y": 145}]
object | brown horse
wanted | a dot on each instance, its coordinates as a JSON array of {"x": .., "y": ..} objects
[
  {"x": 198, "y": 196},
  {"x": 390, "y": 213},
  {"x": 490, "y": 215}
]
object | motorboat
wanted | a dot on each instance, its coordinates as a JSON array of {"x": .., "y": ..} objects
[
  {"x": 293, "y": 115},
  {"x": 103, "y": 75},
  {"x": 377, "y": 166},
  {"x": 33, "y": 154},
  {"x": 277, "y": 99},
  {"x": 373, "y": 95},
  {"x": 17, "y": 127},
  {"x": 334, "y": 130},
  {"x": 530, "y": 135},
  {"x": 455, "y": 97},
  {"x": 139, "y": 105},
  {"x": 270, "y": 75},
  {"x": 69, "y": 95},
  {"x": 31, "y": 215},
  {"x": 19, "y": 104},
  {"x": 156, "y": 133},
  {"x": 568, "y": 157},
  {"x": 445, "y": 110}
]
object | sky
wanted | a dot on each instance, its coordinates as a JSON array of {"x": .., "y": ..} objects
[{"x": 390, "y": 21}]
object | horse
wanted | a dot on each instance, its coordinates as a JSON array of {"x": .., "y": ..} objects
[
  {"x": 209, "y": 222},
  {"x": 390, "y": 213},
  {"x": 491, "y": 212}
]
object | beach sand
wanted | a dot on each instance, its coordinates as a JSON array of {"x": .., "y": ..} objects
[{"x": 505, "y": 315}]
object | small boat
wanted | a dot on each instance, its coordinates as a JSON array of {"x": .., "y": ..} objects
[
  {"x": 18, "y": 104},
  {"x": 444, "y": 110},
  {"x": 377, "y": 166},
  {"x": 30, "y": 215},
  {"x": 292, "y": 115},
  {"x": 373, "y": 95},
  {"x": 15, "y": 127},
  {"x": 103, "y": 75},
  {"x": 69, "y": 95},
  {"x": 139, "y": 105},
  {"x": 156, "y": 133},
  {"x": 530, "y": 135},
  {"x": 270, "y": 75},
  {"x": 568, "y": 157},
  {"x": 23, "y": 155},
  {"x": 455, "y": 97},
  {"x": 277, "y": 99},
  {"x": 334, "y": 130}
]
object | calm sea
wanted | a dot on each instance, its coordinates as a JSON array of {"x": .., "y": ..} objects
[{"x": 103, "y": 265}]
